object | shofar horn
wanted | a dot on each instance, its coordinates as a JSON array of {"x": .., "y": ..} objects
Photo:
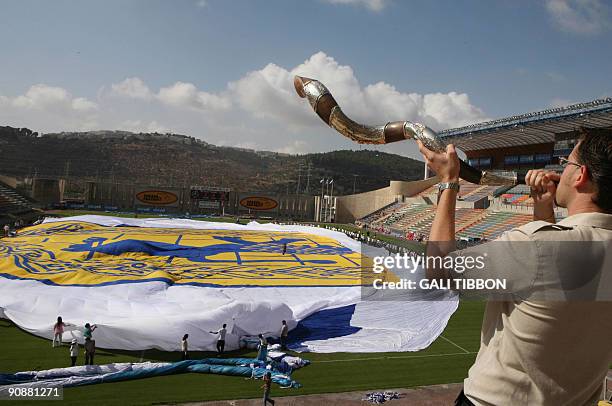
[{"x": 327, "y": 108}]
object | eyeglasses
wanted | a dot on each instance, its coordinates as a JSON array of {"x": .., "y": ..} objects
[{"x": 564, "y": 162}]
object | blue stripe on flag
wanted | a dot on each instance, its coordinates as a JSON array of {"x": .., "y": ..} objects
[{"x": 323, "y": 325}]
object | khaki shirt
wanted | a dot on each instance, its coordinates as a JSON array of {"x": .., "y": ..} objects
[{"x": 536, "y": 351}]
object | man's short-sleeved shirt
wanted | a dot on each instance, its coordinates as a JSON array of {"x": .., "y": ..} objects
[
  {"x": 87, "y": 333},
  {"x": 548, "y": 342}
]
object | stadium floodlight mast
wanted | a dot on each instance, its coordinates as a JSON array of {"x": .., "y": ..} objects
[
  {"x": 322, "y": 182},
  {"x": 331, "y": 200},
  {"x": 326, "y": 202},
  {"x": 326, "y": 107},
  {"x": 326, "y": 199}
]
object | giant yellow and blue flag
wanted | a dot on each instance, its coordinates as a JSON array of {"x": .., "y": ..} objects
[{"x": 147, "y": 282}]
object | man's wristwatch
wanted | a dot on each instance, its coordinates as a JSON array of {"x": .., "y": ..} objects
[{"x": 447, "y": 185}]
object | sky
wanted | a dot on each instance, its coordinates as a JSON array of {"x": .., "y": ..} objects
[{"x": 221, "y": 70}]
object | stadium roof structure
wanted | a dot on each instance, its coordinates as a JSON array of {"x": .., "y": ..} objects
[{"x": 531, "y": 128}]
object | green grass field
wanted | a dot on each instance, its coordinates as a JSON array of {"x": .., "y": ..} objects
[{"x": 447, "y": 360}]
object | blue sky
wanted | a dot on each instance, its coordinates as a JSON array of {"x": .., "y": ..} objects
[{"x": 220, "y": 69}]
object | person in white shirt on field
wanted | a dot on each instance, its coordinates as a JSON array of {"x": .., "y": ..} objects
[
  {"x": 185, "y": 347},
  {"x": 220, "y": 338},
  {"x": 262, "y": 352},
  {"x": 74, "y": 352},
  {"x": 283, "y": 335}
]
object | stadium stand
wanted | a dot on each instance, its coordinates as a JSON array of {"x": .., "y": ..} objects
[
  {"x": 410, "y": 214},
  {"x": 14, "y": 206},
  {"x": 379, "y": 215},
  {"x": 493, "y": 225},
  {"x": 518, "y": 195},
  {"x": 517, "y": 199},
  {"x": 519, "y": 190},
  {"x": 414, "y": 218},
  {"x": 470, "y": 223}
]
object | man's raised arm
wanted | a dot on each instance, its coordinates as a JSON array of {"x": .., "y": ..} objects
[{"x": 442, "y": 235}]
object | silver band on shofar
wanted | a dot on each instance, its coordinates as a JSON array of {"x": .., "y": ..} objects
[{"x": 326, "y": 107}]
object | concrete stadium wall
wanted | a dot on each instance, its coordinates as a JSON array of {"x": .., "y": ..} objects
[
  {"x": 295, "y": 207},
  {"x": 122, "y": 196},
  {"x": 409, "y": 189},
  {"x": 352, "y": 207},
  {"x": 47, "y": 191}
]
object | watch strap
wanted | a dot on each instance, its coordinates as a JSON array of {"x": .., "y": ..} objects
[{"x": 447, "y": 185}]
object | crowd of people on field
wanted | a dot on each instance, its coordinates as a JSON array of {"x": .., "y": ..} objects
[{"x": 89, "y": 345}]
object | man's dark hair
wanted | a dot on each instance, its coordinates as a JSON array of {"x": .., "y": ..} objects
[{"x": 595, "y": 152}]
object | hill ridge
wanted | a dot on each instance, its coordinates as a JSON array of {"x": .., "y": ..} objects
[{"x": 179, "y": 160}]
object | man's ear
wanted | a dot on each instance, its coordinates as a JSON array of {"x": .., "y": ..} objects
[{"x": 582, "y": 178}]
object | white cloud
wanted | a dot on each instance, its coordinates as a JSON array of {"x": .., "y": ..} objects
[
  {"x": 201, "y": 3},
  {"x": 48, "y": 108},
  {"x": 374, "y": 5},
  {"x": 586, "y": 17},
  {"x": 133, "y": 88},
  {"x": 269, "y": 93},
  {"x": 451, "y": 110},
  {"x": 260, "y": 109},
  {"x": 84, "y": 105},
  {"x": 42, "y": 96},
  {"x": 180, "y": 94},
  {"x": 183, "y": 94}
]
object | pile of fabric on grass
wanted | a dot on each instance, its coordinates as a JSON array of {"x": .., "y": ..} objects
[
  {"x": 116, "y": 372},
  {"x": 381, "y": 397},
  {"x": 283, "y": 362}
]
